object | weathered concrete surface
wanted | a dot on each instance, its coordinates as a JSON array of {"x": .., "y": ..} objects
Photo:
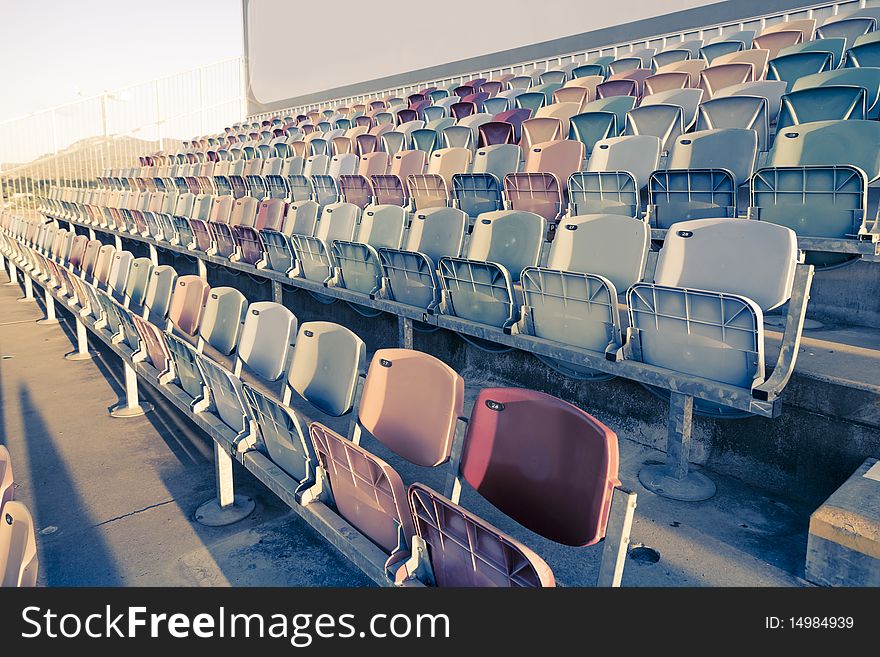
[
  {"x": 113, "y": 499},
  {"x": 843, "y": 548}
]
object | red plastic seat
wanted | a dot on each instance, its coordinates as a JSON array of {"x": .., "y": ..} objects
[{"x": 544, "y": 462}]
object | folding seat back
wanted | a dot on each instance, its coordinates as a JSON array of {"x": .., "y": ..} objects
[
  {"x": 90, "y": 257},
  {"x": 188, "y": 303},
  {"x": 411, "y": 403},
  {"x": 465, "y": 550},
  {"x": 869, "y": 78},
  {"x": 481, "y": 190},
  {"x": 510, "y": 238},
  {"x": 138, "y": 281},
  {"x": 372, "y": 164},
  {"x": 446, "y": 162},
  {"x": 791, "y": 68},
  {"x": 271, "y": 214},
  {"x": 748, "y": 112},
  {"x": 773, "y": 42},
  {"x": 222, "y": 318},
  {"x": 325, "y": 366},
  {"x": 540, "y": 130},
  {"x": 666, "y": 122},
  {"x": 757, "y": 57},
  {"x": 771, "y": 90},
  {"x": 437, "y": 232},
  {"x": 227, "y": 396},
  {"x": 693, "y": 67},
  {"x": 711, "y": 51},
  {"x": 667, "y": 81},
  {"x": 718, "y": 76},
  {"x": 831, "y": 103},
  {"x": 576, "y": 463},
  {"x": 119, "y": 271},
  {"x": 221, "y": 209},
  {"x": 687, "y": 99},
  {"x": 266, "y": 338},
  {"x": 160, "y": 286},
  {"x": 18, "y": 547},
  {"x": 619, "y": 87},
  {"x": 301, "y": 219},
  {"x": 589, "y": 83},
  {"x": 367, "y": 492},
  {"x": 619, "y": 106},
  {"x": 590, "y": 127},
  {"x": 670, "y": 57},
  {"x": 345, "y": 164},
  {"x": 515, "y": 118},
  {"x": 393, "y": 142},
  {"x": 561, "y": 158},
  {"x": 848, "y": 26},
  {"x": 828, "y": 143},
  {"x": 863, "y": 56},
  {"x": 610, "y": 245},
  {"x": 637, "y": 155},
  {"x": 458, "y": 136},
  {"x": 530, "y": 100},
  {"x": 244, "y": 211},
  {"x": 424, "y": 139},
  {"x": 624, "y": 65},
  {"x": 154, "y": 345}
]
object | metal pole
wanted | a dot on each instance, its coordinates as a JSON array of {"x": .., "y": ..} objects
[
  {"x": 82, "y": 343},
  {"x": 131, "y": 406}
]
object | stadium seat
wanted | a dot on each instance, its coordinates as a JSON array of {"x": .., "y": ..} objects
[
  {"x": 792, "y": 67},
  {"x": 869, "y": 78},
  {"x": 188, "y": 303},
  {"x": 267, "y": 335},
  {"x": 835, "y": 46},
  {"x": 687, "y": 99},
  {"x": 822, "y": 104},
  {"x": 313, "y": 257},
  {"x": 747, "y": 112},
  {"x": 573, "y": 300},
  {"x": 481, "y": 190},
  {"x": 703, "y": 174},
  {"x": 410, "y": 274},
  {"x": 479, "y": 286},
  {"x": 18, "y": 547},
  {"x": 357, "y": 262},
  {"x": 711, "y": 299},
  {"x": 222, "y": 319},
  {"x": 666, "y": 122}
]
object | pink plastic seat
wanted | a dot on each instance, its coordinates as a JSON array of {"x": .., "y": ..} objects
[
  {"x": 188, "y": 302},
  {"x": 465, "y": 550},
  {"x": 411, "y": 403},
  {"x": 368, "y": 493}
]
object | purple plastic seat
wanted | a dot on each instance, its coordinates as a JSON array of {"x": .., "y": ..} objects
[
  {"x": 356, "y": 190},
  {"x": 496, "y": 132},
  {"x": 462, "y": 109},
  {"x": 477, "y": 99},
  {"x": 617, "y": 88},
  {"x": 406, "y": 115},
  {"x": 514, "y": 117},
  {"x": 250, "y": 246},
  {"x": 464, "y": 90}
]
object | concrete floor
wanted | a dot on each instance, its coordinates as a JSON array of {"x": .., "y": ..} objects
[{"x": 113, "y": 499}]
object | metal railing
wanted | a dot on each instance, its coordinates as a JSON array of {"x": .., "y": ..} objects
[
  {"x": 819, "y": 11},
  {"x": 72, "y": 144}
]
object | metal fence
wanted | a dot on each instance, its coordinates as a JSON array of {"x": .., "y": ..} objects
[{"x": 72, "y": 144}]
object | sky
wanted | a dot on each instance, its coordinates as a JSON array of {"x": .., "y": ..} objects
[{"x": 62, "y": 50}]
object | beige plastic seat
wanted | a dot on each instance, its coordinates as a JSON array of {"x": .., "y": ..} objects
[
  {"x": 561, "y": 111},
  {"x": 368, "y": 493},
  {"x": 18, "y": 547},
  {"x": 539, "y": 130},
  {"x": 806, "y": 26},
  {"x": 693, "y": 67},
  {"x": 411, "y": 403},
  {"x": 222, "y": 318},
  {"x": 119, "y": 271},
  {"x": 268, "y": 334},
  {"x": 774, "y": 42},
  {"x": 6, "y": 479},
  {"x": 90, "y": 258},
  {"x": 103, "y": 264},
  {"x": 666, "y": 81},
  {"x": 757, "y": 57},
  {"x": 580, "y": 96},
  {"x": 717, "y": 77},
  {"x": 589, "y": 82}
]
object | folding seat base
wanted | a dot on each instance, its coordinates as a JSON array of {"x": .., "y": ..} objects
[
  {"x": 674, "y": 479},
  {"x": 211, "y": 514},
  {"x": 227, "y": 507}
]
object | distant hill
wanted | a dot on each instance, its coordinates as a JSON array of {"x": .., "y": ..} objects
[{"x": 88, "y": 158}]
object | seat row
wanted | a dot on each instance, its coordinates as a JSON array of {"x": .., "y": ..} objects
[
  {"x": 18, "y": 544},
  {"x": 225, "y": 358}
]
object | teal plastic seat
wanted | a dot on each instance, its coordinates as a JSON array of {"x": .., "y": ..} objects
[
  {"x": 703, "y": 173},
  {"x": 869, "y": 78},
  {"x": 591, "y": 127},
  {"x": 865, "y": 55},
  {"x": 531, "y": 100},
  {"x": 835, "y": 46},
  {"x": 792, "y": 67},
  {"x": 410, "y": 273},
  {"x": 822, "y": 104}
]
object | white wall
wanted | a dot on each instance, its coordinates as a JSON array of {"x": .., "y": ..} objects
[{"x": 295, "y": 48}]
